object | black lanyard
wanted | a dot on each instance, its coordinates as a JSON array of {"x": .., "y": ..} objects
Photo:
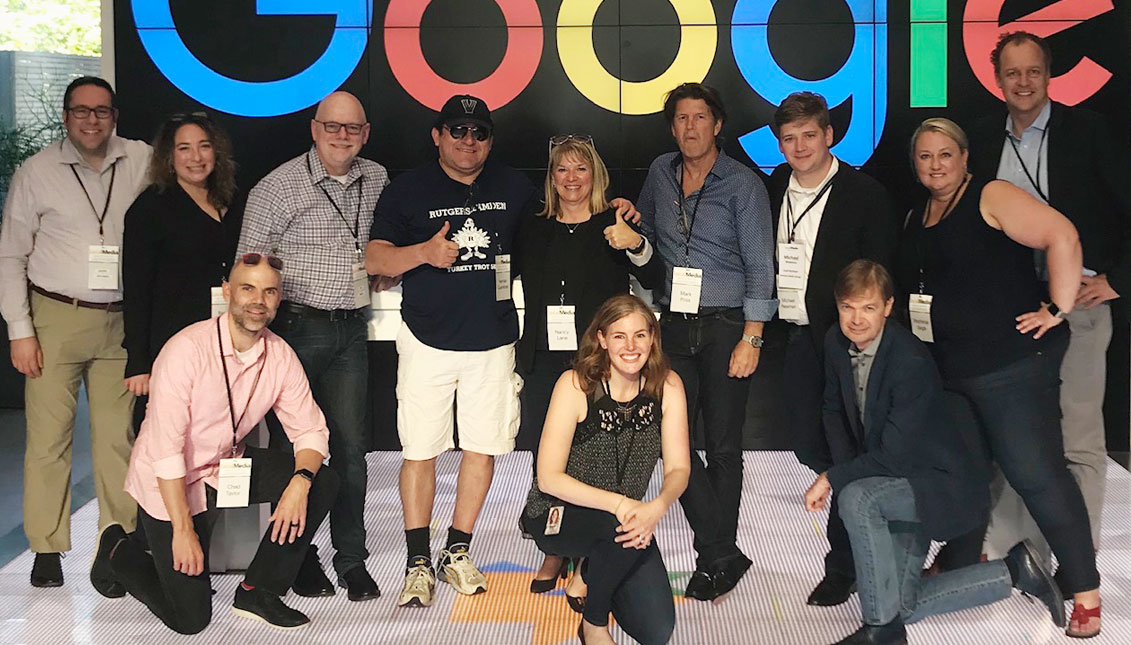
[
  {"x": 687, "y": 224},
  {"x": 356, "y": 230},
  {"x": 1035, "y": 182},
  {"x": 793, "y": 224},
  {"x": 625, "y": 416},
  {"x": 109, "y": 193},
  {"x": 228, "y": 385},
  {"x": 950, "y": 205}
]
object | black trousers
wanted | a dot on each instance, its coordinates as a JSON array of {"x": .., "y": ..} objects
[
  {"x": 803, "y": 378},
  {"x": 184, "y": 603},
  {"x": 699, "y": 349},
  {"x": 537, "y": 387},
  {"x": 630, "y": 583}
]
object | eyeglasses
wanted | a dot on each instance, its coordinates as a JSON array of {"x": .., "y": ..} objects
[
  {"x": 253, "y": 259},
  {"x": 333, "y": 127},
  {"x": 84, "y": 112},
  {"x": 460, "y": 131},
  {"x": 559, "y": 139},
  {"x": 181, "y": 117}
]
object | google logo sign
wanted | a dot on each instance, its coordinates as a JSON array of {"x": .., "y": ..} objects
[{"x": 862, "y": 78}]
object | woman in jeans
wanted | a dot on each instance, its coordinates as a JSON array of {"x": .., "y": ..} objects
[
  {"x": 611, "y": 417},
  {"x": 966, "y": 262}
]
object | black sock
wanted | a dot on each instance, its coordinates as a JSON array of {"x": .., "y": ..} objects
[
  {"x": 455, "y": 536},
  {"x": 418, "y": 546},
  {"x": 1011, "y": 564}
]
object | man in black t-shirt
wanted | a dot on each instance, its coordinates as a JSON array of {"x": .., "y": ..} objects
[{"x": 448, "y": 228}]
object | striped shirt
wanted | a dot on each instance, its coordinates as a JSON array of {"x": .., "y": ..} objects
[
  {"x": 731, "y": 235},
  {"x": 317, "y": 225}
]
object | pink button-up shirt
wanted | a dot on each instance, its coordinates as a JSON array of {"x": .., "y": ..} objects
[{"x": 188, "y": 427}]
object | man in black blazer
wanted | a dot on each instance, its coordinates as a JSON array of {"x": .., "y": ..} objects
[
  {"x": 907, "y": 469},
  {"x": 1068, "y": 158},
  {"x": 829, "y": 215}
]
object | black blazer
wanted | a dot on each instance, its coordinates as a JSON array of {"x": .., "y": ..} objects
[
  {"x": 911, "y": 430},
  {"x": 1087, "y": 174},
  {"x": 602, "y": 274},
  {"x": 859, "y": 221}
]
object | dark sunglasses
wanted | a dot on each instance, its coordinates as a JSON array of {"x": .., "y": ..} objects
[
  {"x": 181, "y": 117},
  {"x": 253, "y": 259},
  {"x": 460, "y": 131}
]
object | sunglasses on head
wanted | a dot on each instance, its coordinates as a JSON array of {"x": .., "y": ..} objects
[
  {"x": 181, "y": 117},
  {"x": 559, "y": 139},
  {"x": 460, "y": 131},
  {"x": 253, "y": 259}
]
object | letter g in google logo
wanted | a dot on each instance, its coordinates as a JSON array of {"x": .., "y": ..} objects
[{"x": 165, "y": 47}]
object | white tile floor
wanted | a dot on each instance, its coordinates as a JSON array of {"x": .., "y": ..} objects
[{"x": 766, "y": 608}]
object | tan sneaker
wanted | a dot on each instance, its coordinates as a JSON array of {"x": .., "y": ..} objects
[
  {"x": 419, "y": 587},
  {"x": 457, "y": 569}
]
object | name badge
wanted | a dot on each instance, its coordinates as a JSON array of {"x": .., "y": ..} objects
[
  {"x": 791, "y": 266},
  {"x": 920, "y": 309},
  {"x": 561, "y": 328},
  {"x": 360, "y": 279},
  {"x": 234, "y": 487},
  {"x": 502, "y": 277},
  {"x": 102, "y": 267},
  {"x": 218, "y": 304},
  {"x": 554, "y": 520},
  {"x": 687, "y": 286},
  {"x": 789, "y": 304}
]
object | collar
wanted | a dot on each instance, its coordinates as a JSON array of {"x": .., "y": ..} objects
[
  {"x": 872, "y": 348},
  {"x": 795, "y": 187},
  {"x": 715, "y": 169},
  {"x": 1040, "y": 123},
  {"x": 70, "y": 155},
  {"x": 318, "y": 171},
  {"x": 230, "y": 350}
]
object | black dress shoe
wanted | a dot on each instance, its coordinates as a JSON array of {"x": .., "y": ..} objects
[
  {"x": 260, "y": 605},
  {"x": 832, "y": 590},
  {"x": 311, "y": 582},
  {"x": 701, "y": 586},
  {"x": 728, "y": 571},
  {"x": 101, "y": 573},
  {"x": 47, "y": 571},
  {"x": 893, "y": 633},
  {"x": 1030, "y": 577},
  {"x": 359, "y": 584}
]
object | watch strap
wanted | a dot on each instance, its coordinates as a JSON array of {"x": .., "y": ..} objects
[{"x": 305, "y": 474}]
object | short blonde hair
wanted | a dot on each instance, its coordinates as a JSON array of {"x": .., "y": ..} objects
[
  {"x": 584, "y": 152},
  {"x": 943, "y": 126}
]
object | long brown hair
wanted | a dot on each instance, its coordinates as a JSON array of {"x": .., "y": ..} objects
[
  {"x": 592, "y": 362},
  {"x": 222, "y": 181}
]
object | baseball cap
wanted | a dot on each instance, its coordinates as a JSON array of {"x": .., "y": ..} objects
[{"x": 464, "y": 108}]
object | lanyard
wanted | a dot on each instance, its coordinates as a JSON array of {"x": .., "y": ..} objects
[
  {"x": 685, "y": 224},
  {"x": 626, "y": 415},
  {"x": 1035, "y": 182},
  {"x": 228, "y": 385},
  {"x": 356, "y": 230},
  {"x": 950, "y": 205},
  {"x": 109, "y": 193},
  {"x": 793, "y": 224}
]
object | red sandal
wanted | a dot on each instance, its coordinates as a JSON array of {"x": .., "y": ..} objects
[{"x": 1082, "y": 616}]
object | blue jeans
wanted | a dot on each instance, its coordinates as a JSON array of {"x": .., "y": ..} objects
[
  {"x": 889, "y": 548},
  {"x": 333, "y": 354}
]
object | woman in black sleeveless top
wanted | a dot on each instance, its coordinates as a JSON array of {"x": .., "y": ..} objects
[
  {"x": 966, "y": 262},
  {"x": 611, "y": 417}
]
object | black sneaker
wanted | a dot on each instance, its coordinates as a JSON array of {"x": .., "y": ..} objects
[
  {"x": 101, "y": 573},
  {"x": 359, "y": 584},
  {"x": 728, "y": 571},
  {"x": 47, "y": 571},
  {"x": 269, "y": 608},
  {"x": 311, "y": 582}
]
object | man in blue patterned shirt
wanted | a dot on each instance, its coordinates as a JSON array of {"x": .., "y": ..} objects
[{"x": 709, "y": 217}]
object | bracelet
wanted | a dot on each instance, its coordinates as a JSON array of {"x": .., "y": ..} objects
[
  {"x": 617, "y": 507},
  {"x": 639, "y": 248}
]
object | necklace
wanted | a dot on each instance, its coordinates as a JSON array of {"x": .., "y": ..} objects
[
  {"x": 572, "y": 228},
  {"x": 625, "y": 410}
]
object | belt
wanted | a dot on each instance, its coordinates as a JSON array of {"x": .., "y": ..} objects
[
  {"x": 332, "y": 315},
  {"x": 112, "y": 307},
  {"x": 704, "y": 312}
]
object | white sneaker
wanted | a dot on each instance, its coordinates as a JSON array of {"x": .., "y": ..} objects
[
  {"x": 457, "y": 569},
  {"x": 419, "y": 587}
]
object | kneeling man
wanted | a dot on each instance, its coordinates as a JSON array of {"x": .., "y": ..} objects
[
  {"x": 211, "y": 384},
  {"x": 907, "y": 469}
]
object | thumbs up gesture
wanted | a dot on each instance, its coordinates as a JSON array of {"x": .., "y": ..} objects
[
  {"x": 439, "y": 251},
  {"x": 620, "y": 235}
]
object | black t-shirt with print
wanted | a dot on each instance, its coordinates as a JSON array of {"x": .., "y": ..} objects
[{"x": 455, "y": 308}]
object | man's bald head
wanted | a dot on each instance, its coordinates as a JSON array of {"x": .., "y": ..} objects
[{"x": 340, "y": 111}]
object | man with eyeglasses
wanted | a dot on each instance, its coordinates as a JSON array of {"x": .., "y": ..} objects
[
  {"x": 61, "y": 295},
  {"x": 314, "y": 212},
  {"x": 448, "y": 228}
]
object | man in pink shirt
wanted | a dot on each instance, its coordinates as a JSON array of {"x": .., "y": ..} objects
[{"x": 210, "y": 385}]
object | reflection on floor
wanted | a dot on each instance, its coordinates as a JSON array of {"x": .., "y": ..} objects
[{"x": 766, "y": 608}]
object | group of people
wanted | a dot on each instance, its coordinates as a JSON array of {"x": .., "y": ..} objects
[{"x": 217, "y": 308}]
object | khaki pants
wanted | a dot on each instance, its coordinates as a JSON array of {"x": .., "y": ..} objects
[
  {"x": 1083, "y": 376},
  {"x": 79, "y": 345}
]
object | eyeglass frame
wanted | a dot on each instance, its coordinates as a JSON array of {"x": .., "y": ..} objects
[
  {"x": 74, "y": 111},
  {"x": 559, "y": 139},
  {"x": 466, "y": 128},
  {"x": 334, "y": 127}
]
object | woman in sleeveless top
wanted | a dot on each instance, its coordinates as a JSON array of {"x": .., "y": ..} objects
[
  {"x": 611, "y": 417},
  {"x": 967, "y": 262}
]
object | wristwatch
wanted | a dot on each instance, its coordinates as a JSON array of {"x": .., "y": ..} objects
[
  {"x": 755, "y": 341},
  {"x": 639, "y": 248},
  {"x": 1055, "y": 311},
  {"x": 305, "y": 474}
]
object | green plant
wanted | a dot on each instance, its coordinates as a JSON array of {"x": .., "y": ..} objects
[{"x": 16, "y": 144}]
